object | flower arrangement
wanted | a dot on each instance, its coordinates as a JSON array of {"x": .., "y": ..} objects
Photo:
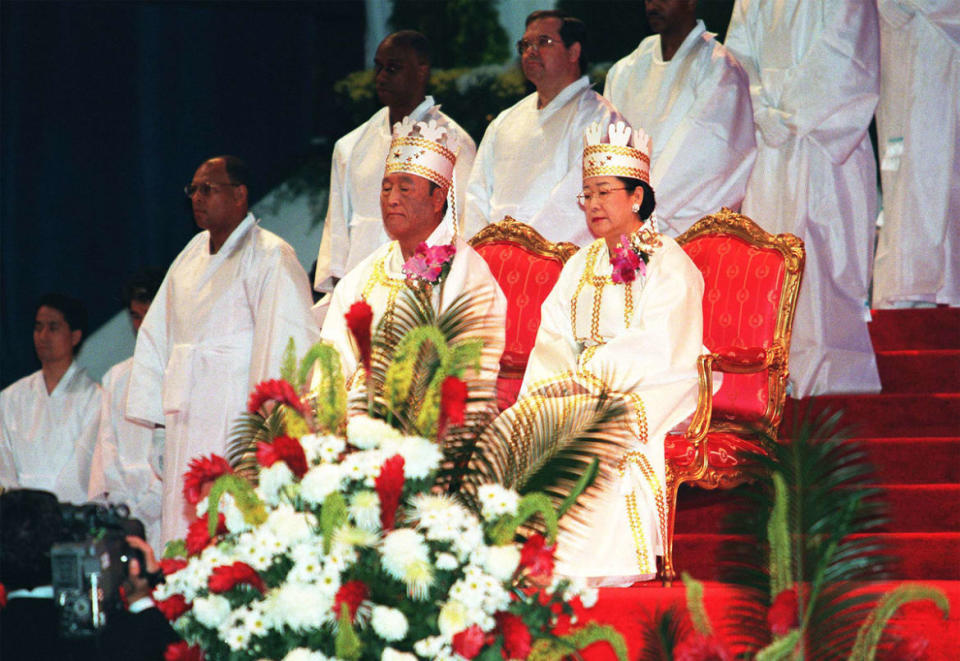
[
  {"x": 429, "y": 264},
  {"x": 632, "y": 255}
]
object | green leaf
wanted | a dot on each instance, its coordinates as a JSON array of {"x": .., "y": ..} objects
[
  {"x": 175, "y": 548},
  {"x": 868, "y": 637},
  {"x": 333, "y": 514},
  {"x": 244, "y": 496},
  {"x": 585, "y": 481},
  {"x": 556, "y": 649},
  {"x": 329, "y": 393},
  {"x": 288, "y": 365},
  {"x": 528, "y": 507},
  {"x": 781, "y": 648},
  {"x": 347, "y": 644},
  {"x": 698, "y": 613},
  {"x": 781, "y": 575}
]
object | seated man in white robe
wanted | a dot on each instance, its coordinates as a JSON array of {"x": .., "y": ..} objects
[
  {"x": 220, "y": 324},
  {"x": 127, "y": 465},
  {"x": 48, "y": 420},
  {"x": 528, "y": 163},
  {"x": 693, "y": 99},
  {"x": 352, "y": 228},
  {"x": 413, "y": 201}
]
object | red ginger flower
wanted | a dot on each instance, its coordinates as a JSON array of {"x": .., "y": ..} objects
[
  {"x": 225, "y": 577},
  {"x": 275, "y": 390},
  {"x": 173, "y": 607},
  {"x": 389, "y": 485},
  {"x": 697, "y": 647},
  {"x": 536, "y": 557},
  {"x": 198, "y": 534},
  {"x": 469, "y": 642},
  {"x": 782, "y": 616},
  {"x": 203, "y": 471},
  {"x": 170, "y": 565},
  {"x": 351, "y": 593},
  {"x": 516, "y": 636},
  {"x": 360, "y": 321},
  {"x": 181, "y": 651},
  {"x": 453, "y": 400},
  {"x": 285, "y": 449}
]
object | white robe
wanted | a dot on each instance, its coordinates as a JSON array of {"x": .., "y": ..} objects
[
  {"x": 353, "y": 227},
  {"x": 814, "y": 79},
  {"x": 650, "y": 353},
  {"x": 696, "y": 109},
  {"x": 529, "y": 164},
  {"x": 127, "y": 464},
  {"x": 918, "y": 126},
  {"x": 218, "y": 325},
  {"x": 468, "y": 273},
  {"x": 47, "y": 440}
]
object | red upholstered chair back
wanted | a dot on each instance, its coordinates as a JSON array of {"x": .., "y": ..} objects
[
  {"x": 526, "y": 266},
  {"x": 751, "y": 281}
]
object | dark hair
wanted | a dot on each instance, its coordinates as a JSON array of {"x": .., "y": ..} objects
[
  {"x": 572, "y": 31},
  {"x": 30, "y": 524},
  {"x": 415, "y": 41},
  {"x": 649, "y": 199},
  {"x": 142, "y": 286},
  {"x": 237, "y": 171},
  {"x": 73, "y": 311}
]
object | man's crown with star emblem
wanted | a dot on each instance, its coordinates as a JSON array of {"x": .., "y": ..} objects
[
  {"x": 625, "y": 154},
  {"x": 426, "y": 149}
]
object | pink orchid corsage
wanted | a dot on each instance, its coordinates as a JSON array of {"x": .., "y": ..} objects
[
  {"x": 627, "y": 262},
  {"x": 429, "y": 264}
]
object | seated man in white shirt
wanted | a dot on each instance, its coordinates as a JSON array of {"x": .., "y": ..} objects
[
  {"x": 48, "y": 420},
  {"x": 413, "y": 201},
  {"x": 528, "y": 164},
  {"x": 127, "y": 464}
]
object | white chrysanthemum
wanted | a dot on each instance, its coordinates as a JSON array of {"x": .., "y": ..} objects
[
  {"x": 420, "y": 456},
  {"x": 273, "y": 480},
  {"x": 303, "y": 654},
  {"x": 329, "y": 581},
  {"x": 362, "y": 466},
  {"x": 453, "y": 618},
  {"x": 365, "y": 509},
  {"x": 253, "y": 619},
  {"x": 390, "y": 654},
  {"x": 307, "y": 564},
  {"x": 299, "y": 606},
  {"x": 211, "y": 611},
  {"x": 447, "y": 561},
  {"x": 589, "y": 596},
  {"x": 236, "y": 637},
  {"x": 252, "y": 550},
  {"x": 366, "y": 433},
  {"x": 401, "y": 549},
  {"x": 469, "y": 539},
  {"x": 389, "y": 623},
  {"x": 332, "y": 448},
  {"x": 340, "y": 557},
  {"x": 496, "y": 501},
  {"x": 501, "y": 561},
  {"x": 470, "y": 591},
  {"x": 430, "y": 647},
  {"x": 321, "y": 449},
  {"x": 319, "y": 482},
  {"x": 354, "y": 536},
  {"x": 290, "y": 525}
]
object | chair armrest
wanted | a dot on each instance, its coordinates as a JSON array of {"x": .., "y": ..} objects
[
  {"x": 700, "y": 422},
  {"x": 743, "y": 360}
]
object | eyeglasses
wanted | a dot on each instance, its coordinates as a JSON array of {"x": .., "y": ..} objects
[
  {"x": 542, "y": 41},
  {"x": 205, "y": 189},
  {"x": 585, "y": 198}
]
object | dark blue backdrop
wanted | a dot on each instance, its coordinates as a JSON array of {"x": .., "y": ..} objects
[{"x": 107, "y": 109}]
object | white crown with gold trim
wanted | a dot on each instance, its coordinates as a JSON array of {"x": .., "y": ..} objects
[
  {"x": 625, "y": 154},
  {"x": 426, "y": 149}
]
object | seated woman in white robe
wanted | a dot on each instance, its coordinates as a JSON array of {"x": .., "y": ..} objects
[{"x": 625, "y": 316}]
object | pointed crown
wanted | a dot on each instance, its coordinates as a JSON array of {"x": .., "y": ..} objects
[
  {"x": 625, "y": 154},
  {"x": 426, "y": 149}
]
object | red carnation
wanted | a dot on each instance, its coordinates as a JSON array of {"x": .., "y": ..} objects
[
  {"x": 275, "y": 390},
  {"x": 203, "y": 471},
  {"x": 782, "y": 616},
  {"x": 225, "y": 577},
  {"x": 181, "y": 651},
  {"x": 536, "y": 557},
  {"x": 360, "y": 321},
  {"x": 453, "y": 400},
  {"x": 351, "y": 593},
  {"x": 170, "y": 565},
  {"x": 389, "y": 485},
  {"x": 173, "y": 607},
  {"x": 698, "y": 647},
  {"x": 469, "y": 642},
  {"x": 198, "y": 534},
  {"x": 285, "y": 449},
  {"x": 516, "y": 636}
]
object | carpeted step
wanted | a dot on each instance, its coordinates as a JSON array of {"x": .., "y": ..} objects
[
  {"x": 912, "y": 371},
  {"x": 885, "y": 416},
  {"x": 931, "y": 328},
  {"x": 915, "y": 460}
]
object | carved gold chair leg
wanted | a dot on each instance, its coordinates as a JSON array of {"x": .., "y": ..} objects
[{"x": 667, "y": 572}]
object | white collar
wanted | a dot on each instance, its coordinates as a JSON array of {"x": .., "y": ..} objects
[{"x": 561, "y": 99}]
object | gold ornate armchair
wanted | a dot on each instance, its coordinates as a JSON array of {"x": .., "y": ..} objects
[
  {"x": 751, "y": 282},
  {"x": 526, "y": 266}
]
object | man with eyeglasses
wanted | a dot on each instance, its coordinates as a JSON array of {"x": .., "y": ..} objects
[
  {"x": 528, "y": 164},
  {"x": 219, "y": 325},
  {"x": 352, "y": 228}
]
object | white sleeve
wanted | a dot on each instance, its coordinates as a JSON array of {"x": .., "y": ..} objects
[
  {"x": 8, "y": 467},
  {"x": 332, "y": 255},
  {"x": 476, "y": 211},
  {"x": 145, "y": 392}
]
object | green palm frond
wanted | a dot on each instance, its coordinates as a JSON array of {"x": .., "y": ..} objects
[
  {"x": 662, "y": 632},
  {"x": 249, "y": 428}
]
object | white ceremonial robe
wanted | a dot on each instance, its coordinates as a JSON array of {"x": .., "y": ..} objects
[
  {"x": 918, "y": 126},
  {"x": 47, "y": 440},
  {"x": 696, "y": 110},
  {"x": 218, "y": 325},
  {"x": 379, "y": 279},
  {"x": 648, "y": 354},
  {"x": 814, "y": 82},
  {"x": 353, "y": 227},
  {"x": 529, "y": 164},
  {"x": 127, "y": 460}
]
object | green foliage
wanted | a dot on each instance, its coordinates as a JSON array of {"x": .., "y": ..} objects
[
  {"x": 288, "y": 364},
  {"x": 461, "y": 32},
  {"x": 865, "y": 648},
  {"x": 347, "y": 644},
  {"x": 249, "y": 428},
  {"x": 528, "y": 507},
  {"x": 244, "y": 497},
  {"x": 698, "y": 613},
  {"x": 779, "y": 536},
  {"x": 662, "y": 632},
  {"x": 781, "y": 648},
  {"x": 176, "y": 548},
  {"x": 560, "y": 648},
  {"x": 330, "y": 392},
  {"x": 333, "y": 514}
]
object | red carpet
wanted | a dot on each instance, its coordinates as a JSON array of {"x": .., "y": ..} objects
[{"x": 912, "y": 432}]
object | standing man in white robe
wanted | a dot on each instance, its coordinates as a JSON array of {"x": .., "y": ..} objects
[
  {"x": 693, "y": 99},
  {"x": 528, "y": 163},
  {"x": 814, "y": 82},
  {"x": 127, "y": 465},
  {"x": 918, "y": 126},
  {"x": 353, "y": 228},
  {"x": 48, "y": 420},
  {"x": 218, "y": 326}
]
